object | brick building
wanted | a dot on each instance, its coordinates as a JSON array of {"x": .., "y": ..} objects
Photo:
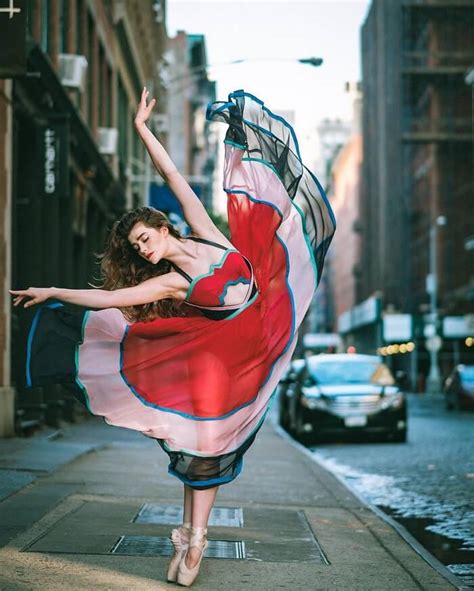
[
  {"x": 68, "y": 154},
  {"x": 417, "y": 166}
]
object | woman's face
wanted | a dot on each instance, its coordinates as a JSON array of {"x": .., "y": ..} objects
[{"x": 150, "y": 243}]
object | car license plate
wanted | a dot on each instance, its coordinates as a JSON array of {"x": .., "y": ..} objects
[{"x": 355, "y": 421}]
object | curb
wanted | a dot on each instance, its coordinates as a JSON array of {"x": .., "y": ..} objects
[{"x": 399, "y": 528}]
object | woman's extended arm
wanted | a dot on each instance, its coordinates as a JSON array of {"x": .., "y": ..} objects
[
  {"x": 194, "y": 211},
  {"x": 151, "y": 290}
]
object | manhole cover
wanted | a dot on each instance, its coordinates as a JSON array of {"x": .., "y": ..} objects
[
  {"x": 173, "y": 514},
  {"x": 161, "y": 546}
]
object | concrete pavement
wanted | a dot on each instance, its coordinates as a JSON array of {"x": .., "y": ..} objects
[{"x": 91, "y": 507}]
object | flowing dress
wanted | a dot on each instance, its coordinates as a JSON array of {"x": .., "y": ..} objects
[{"x": 201, "y": 385}]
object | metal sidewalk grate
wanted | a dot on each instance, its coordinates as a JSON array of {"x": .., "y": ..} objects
[
  {"x": 161, "y": 546},
  {"x": 173, "y": 514}
]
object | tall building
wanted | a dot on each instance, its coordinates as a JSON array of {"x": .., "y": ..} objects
[
  {"x": 191, "y": 143},
  {"x": 344, "y": 195},
  {"x": 71, "y": 75},
  {"x": 417, "y": 166}
]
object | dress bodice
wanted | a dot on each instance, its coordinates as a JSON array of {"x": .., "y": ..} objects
[{"x": 209, "y": 290}]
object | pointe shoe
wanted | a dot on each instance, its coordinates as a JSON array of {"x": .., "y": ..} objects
[
  {"x": 180, "y": 540},
  {"x": 198, "y": 539}
]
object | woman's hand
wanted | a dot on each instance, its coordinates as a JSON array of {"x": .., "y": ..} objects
[
  {"x": 37, "y": 295},
  {"x": 144, "y": 110}
]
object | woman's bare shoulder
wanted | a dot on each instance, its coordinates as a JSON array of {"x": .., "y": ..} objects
[{"x": 216, "y": 236}]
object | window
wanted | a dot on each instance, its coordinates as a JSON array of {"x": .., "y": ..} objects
[
  {"x": 45, "y": 39},
  {"x": 79, "y": 29},
  {"x": 63, "y": 25}
]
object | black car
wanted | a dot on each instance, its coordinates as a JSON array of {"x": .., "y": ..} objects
[
  {"x": 345, "y": 393},
  {"x": 286, "y": 388},
  {"x": 459, "y": 388}
]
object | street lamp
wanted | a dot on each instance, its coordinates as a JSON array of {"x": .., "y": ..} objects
[
  {"x": 310, "y": 61},
  {"x": 433, "y": 341}
]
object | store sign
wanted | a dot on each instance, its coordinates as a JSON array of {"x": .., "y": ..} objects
[
  {"x": 12, "y": 38},
  {"x": 53, "y": 143},
  {"x": 458, "y": 327},
  {"x": 367, "y": 312},
  {"x": 344, "y": 322},
  {"x": 397, "y": 328}
]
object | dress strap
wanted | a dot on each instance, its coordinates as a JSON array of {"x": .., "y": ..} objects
[
  {"x": 205, "y": 241},
  {"x": 181, "y": 272},
  {"x": 252, "y": 289}
]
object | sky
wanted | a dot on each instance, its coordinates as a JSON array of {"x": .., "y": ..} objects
[{"x": 272, "y": 35}]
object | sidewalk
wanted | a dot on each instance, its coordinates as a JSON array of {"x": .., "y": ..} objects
[{"x": 69, "y": 505}]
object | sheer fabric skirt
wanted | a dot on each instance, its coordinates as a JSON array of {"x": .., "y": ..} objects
[{"x": 202, "y": 387}]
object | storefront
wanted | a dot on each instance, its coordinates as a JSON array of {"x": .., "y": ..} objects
[
  {"x": 361, "y": 327},
  {"x": 64, "y": 199}
]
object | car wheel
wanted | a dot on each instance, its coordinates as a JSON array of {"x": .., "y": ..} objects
[
  {"x": 399, "y": 436},
  {"x": 301, "y": 435},
  {"x": 283, "y": 419}
]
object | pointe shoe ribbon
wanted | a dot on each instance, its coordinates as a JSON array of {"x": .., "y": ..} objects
[
  {"x": 180, "y": 539},
  {"x": 198, "y": 539}
]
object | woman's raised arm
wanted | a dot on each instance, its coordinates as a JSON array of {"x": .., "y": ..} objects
[
  {"x": 194, "y": 211},
  {"x": 151, "y": 290}
]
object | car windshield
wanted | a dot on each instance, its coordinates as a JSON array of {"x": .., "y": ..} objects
[
  {"x": 467, "y": 373},
  {"x": 350, "y": 372}
]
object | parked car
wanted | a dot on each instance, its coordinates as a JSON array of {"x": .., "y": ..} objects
[
  {"x": 286, "y": 389},
  {"x": 345, "y": 393},
  {"x": 459, "y": 388}
]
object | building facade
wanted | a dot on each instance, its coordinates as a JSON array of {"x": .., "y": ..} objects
[
  {"x": 68, "y": 155},
  {"x": 192, "y": 143},
  {"x": 417, "y": 166}
]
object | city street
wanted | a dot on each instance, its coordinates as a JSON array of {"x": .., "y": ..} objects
[
  {"x": 91, "y": 507},
  {"x": 427, "y": 484}
]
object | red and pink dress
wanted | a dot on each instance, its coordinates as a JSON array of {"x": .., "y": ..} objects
[{"x": 202, "y": 385}]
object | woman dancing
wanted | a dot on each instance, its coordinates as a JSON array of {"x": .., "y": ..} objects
[{"x": 188, "y": 337}]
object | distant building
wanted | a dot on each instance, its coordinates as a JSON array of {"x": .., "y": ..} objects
[
  {"x": 344, "y": 195},
  {"x": 191, "y": 143},
  {"x": 417, "y": 165},
  {"x": 331, "y": 134}
]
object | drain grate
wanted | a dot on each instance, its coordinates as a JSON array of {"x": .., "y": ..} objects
[
  {"x": 161, "y": 546},
  {"x": 173, "y": 514}
]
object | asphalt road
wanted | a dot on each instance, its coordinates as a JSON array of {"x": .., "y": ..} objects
[{"x": 427, "y": 483}]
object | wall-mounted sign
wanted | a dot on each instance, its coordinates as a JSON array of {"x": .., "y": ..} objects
[
  {"x": 397, "y": 328},
  {"x": 367, "y": 312},
  {"x": 458, "y": 327},
  {"x": 12, "y": 38},
  {"x": 53, "y": 157}
]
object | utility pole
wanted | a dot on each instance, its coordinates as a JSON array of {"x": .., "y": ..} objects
[{"x": 433, "y": 342}]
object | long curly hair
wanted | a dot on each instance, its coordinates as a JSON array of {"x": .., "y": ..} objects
[{"x": 122, "y": 266}]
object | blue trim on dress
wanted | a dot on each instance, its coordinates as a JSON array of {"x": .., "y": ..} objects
[
  {"x": 76, "y": 362},
  {"x": 209, "y": 273},
  {"x": 252, "y": 400},
  {"x": 31, "y": 334},
  {"x": 210, "y": 481},
  {"x": 242, "y": 93},
  {"x": 241, "y": 279}
]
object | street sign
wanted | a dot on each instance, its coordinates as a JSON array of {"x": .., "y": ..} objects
[
  {"x": 434, "y": 343},
  {"x": 430, "y": 283},
  {"x": 429, "y": 330}
]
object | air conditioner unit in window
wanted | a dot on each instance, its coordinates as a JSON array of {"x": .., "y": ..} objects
[
  {"x": 108, "y": 137},
  {"x": 160, "y": 121},
  {"x": 72, "y": 70}
]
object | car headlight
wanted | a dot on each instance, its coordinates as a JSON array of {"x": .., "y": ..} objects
[
  {"x": 391, "y": 401},
  {"x": 313, "y": 402}
]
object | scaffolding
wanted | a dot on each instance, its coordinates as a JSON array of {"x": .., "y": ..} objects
[{"x": 438, "y": 136}]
